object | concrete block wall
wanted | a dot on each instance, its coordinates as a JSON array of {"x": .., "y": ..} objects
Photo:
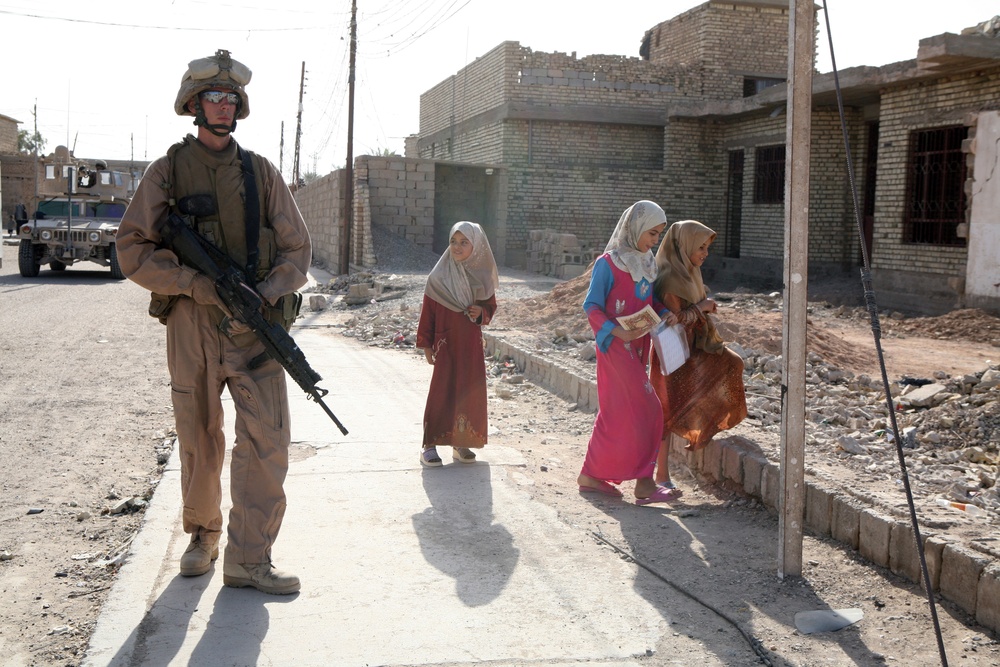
[
  {"x": 401, "y": 193},
  {"x": 968, "y": 578},
  {"x": 322, "y": 206},
  {"x": 599, "y": 80},
  {"x": 395, "y": 192}
]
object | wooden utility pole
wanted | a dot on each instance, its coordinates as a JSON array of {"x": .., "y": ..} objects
[
  {"x": 281, "y": 151},
  {"x": 298, "y": 128},
  {"x": 349, "y": 172},
  {"x": 791, "y": 513},
  {"x": 34, "y": 114}
]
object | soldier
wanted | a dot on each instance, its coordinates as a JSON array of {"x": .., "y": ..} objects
[{"x": 253, "y": 219}]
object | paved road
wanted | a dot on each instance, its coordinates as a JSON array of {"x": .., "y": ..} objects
[{"x": 400, "y": 565}]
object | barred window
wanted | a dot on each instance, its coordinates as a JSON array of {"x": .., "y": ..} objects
[
  {"x": 769, "y": 187},
  {"x": 935, "y": 190}
]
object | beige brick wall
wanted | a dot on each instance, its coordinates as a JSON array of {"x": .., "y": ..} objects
[
  {"x": 697, "y": 165},
  {"x": 925, "y": 105},
  {"x": 18, "y": 184},
  {"x": 480, "y": 86},
  {"x": 722, "y": 42},
  {"x": 8, "y": 135},
  {"x": 581, "y": 139}
]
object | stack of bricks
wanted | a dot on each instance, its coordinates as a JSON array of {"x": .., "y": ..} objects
[{"x": 556, "y": 254}]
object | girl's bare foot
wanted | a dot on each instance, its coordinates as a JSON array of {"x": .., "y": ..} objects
[{"x": 645, "y": 487}]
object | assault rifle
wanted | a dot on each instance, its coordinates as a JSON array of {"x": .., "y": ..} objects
[{"x": 240, "y": 298}]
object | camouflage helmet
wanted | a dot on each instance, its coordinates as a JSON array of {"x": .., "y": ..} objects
[{"x": 214, "y": 73}]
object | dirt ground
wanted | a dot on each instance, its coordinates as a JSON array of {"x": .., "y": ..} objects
[
  {"x": 716, "y": 545},
  {"x": 713, "y": 546}
]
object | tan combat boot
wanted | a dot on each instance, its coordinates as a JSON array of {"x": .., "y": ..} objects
[
  {"x": 262, "y": 576},
  {"x": 198, "y": 557}
]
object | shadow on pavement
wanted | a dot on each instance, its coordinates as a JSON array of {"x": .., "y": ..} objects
[{"x": 457, "y": 533}]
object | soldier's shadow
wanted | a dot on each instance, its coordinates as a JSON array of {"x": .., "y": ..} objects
[{"x": 158, "y": 637}]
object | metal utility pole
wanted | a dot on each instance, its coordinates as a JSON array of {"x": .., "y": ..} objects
[
  {"x": 791, "y": 510},
  {"x": 349, "y": 172},
  {"x": 298, "y": 128}
]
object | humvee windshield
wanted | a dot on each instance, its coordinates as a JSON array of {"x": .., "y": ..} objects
[
  {"x": 104, "y": 210},
  {"x": 59, "y": 209}
]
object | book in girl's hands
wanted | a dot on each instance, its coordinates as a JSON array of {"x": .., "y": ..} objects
[{"x": 643, "y": 319}]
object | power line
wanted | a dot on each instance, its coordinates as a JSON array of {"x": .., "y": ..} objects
[
  {"x": 437, "y": 18},
  {"x": 160, "y": 27}
]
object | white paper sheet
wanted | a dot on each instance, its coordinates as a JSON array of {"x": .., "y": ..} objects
[{"x": 671, "y": 346}]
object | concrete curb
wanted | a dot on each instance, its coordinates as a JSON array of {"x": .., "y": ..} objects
[{"x": 969, "y": 579}]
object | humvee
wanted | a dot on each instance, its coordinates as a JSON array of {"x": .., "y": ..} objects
[{"x": 75, "y": 215}]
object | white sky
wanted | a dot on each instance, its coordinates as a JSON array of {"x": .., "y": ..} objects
[{"x": 104, "y": 74}]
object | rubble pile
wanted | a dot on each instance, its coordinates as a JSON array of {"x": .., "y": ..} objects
[{"x": 950, "y": 431}]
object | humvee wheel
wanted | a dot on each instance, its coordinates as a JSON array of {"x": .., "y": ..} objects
[
  {"x": 116, "y": 269},
  {"x": 27, "y": 259},
  {"x": 56, "y": 265}
]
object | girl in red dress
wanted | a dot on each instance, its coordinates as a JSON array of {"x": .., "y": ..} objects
[{"x": 460, "y": 298}]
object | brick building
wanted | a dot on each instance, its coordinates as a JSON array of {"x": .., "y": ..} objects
[{"x": 697, "y": 124}]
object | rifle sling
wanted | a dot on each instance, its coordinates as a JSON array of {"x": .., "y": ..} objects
[{"x": 251, "y": 203}]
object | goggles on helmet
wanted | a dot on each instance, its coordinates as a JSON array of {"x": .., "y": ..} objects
[
  {"x": 218, "y": 96},
  {"x": 207, "y": 68}
]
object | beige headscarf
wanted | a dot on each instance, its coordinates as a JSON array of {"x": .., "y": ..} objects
[
  {"x": 623, "y": 248},
  {"x": 677, "y": 275},
  {"x": 458, "y": 285}
]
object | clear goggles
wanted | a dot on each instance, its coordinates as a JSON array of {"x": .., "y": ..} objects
[{"x": 219, "y": 96}]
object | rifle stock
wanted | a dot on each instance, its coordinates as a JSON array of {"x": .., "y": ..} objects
[{"x": 244, "y": 304}]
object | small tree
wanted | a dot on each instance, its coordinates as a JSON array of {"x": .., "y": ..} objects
[{"x": 28, "y": 142}]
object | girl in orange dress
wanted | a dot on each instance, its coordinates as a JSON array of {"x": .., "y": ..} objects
[{"x": 706, "y": 394}]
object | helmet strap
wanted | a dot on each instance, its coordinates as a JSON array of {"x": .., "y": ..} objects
[{"x": 217, "y": 129}]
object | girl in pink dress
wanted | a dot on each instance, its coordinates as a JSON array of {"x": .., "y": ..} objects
[{"x": 629, "y": 420}]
